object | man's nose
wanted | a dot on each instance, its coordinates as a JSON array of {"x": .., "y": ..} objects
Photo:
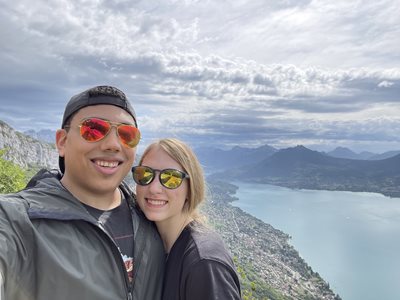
[{"x": 112, "y": 142}]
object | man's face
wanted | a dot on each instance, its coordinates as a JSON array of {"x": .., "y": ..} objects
[{"x": 95, "y": 168}]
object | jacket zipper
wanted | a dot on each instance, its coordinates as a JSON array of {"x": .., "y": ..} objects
[{"x": 118, "y": 256}]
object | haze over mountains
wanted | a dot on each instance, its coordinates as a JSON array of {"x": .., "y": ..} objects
[
  {"x": 44, "y": 135},
  {"x": 219, "y": 159},
  {"x": 342, "y": 152},
  {"x": 299, "y": 167},
  {"x": 47, "y": 135},
  {"x": 214, "y": 159},
  {"x": 296, "y": 167}
]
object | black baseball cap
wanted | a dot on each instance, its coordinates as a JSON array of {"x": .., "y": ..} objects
[{"x": 103, "y": 94}]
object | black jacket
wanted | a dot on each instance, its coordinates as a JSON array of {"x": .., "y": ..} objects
[{"x": 199, "y": 267}]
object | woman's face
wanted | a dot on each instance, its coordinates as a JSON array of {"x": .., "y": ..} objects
[{"x": 160, "y": 204}]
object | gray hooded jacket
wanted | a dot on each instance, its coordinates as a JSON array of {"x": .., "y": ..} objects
[{"x": 52, "y": 248}]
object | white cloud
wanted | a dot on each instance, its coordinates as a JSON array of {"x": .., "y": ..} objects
[{"x": 385, "y": 84}]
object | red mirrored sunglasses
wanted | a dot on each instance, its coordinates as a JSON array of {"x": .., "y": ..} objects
[{"x": 96, "y": 129}]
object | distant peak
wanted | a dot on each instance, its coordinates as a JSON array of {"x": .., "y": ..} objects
[
  {"x": 298, "y": 148},
  {"x": 341, "y": 148}
]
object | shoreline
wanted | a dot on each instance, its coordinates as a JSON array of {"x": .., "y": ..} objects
[
  {"x": 264, "y": 251},
  {"x": 395, "y": 195},
  {"x": 334, "y": 232}
]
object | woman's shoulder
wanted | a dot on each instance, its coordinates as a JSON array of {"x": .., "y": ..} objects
[{"x": 206, "y": 244}]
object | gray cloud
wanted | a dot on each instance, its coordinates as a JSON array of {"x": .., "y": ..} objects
[{"x": 244, "y": 72}]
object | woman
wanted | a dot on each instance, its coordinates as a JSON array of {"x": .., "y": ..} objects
[{"x": 170, "y": 187}]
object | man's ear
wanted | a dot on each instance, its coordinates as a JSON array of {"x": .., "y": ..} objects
[{"x": 61, "y": 140}]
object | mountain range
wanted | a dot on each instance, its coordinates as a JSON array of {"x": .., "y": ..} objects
[
  {"x": 343, "y": 152},
  {"x": 44, "y": 135},
  {"x": 214, "y": 159},
  {"x": 299, "y": 167},
  {"x": 218, "y": 159},
  {"x": 296, "y": 167}
]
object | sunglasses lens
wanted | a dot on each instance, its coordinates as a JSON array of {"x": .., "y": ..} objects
[
  {"x": 171, "y": 178},
  {"x": 93, "y": 130},
  {"x": 143, "y": 175},
  {"x": 129, "y": 135}
]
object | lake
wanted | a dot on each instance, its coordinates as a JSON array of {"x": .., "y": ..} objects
[{"x": 351, "y": 239}]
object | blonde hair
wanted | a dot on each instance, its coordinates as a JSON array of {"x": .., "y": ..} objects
[{"x": 185, "y": 156}]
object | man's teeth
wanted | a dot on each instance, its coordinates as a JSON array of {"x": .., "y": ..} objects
[{"x": 107, "y": 164}]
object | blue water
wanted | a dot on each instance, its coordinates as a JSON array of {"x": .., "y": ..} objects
[{"x": 351, "y": 239}]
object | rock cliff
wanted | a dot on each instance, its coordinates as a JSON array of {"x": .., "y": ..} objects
[{"x": 26, "y": 151}]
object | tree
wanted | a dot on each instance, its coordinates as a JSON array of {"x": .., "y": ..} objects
[{"x": 12, "y": 177}]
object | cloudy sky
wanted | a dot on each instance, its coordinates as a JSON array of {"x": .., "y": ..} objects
[{"x": 213, "y": 72}]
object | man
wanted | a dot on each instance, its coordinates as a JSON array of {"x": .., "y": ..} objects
[{"x": 78, "y": 234}]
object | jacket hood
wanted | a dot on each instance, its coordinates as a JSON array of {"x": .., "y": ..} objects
[{"x": 47, "y": 198}]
